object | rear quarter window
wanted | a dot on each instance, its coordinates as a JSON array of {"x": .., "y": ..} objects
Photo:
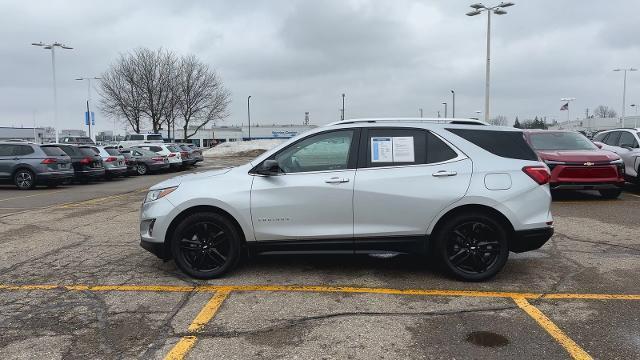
[
  {"x": 506, "y": 144},
  {"x": 53, "y": 151}
]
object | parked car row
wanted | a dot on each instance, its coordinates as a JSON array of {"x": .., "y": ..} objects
[{"x": 28, "y": 164}]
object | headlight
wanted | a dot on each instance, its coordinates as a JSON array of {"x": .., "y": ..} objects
[
  {"x": 154, "y": 195},
  {"x": 616, "y": 162}
]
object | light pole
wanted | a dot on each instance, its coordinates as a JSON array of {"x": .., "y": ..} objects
[
  {"x": 52, "y": 47},
  {"x": 635, "y": 122},
  {"x": 453, "y": 104},
  {"x": 342, "y": 110},
  {"x": 249, "y": 115},
  {"x": 420, "y": 111},
  {"x": 445, "y": 109},
  {"x": 498, "y": 10},
  {"x": 568, "y": 100},
  {"x": 624, "y": 91},
  {"x": 88, "y": 80}
]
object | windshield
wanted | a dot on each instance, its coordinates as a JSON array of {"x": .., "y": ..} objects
[
  {"x": 112, "y": 151},
  {"x": 561, "y": 141},
  {"x": 87, "y": 151},
  {"x": 134, "y": 137},
  {"x": 172, "y": 148}
]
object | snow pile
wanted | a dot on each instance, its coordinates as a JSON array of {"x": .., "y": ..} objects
[{"x": 242, "y": 148}]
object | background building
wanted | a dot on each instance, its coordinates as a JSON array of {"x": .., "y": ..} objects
[{"x": 29, "y": 134}]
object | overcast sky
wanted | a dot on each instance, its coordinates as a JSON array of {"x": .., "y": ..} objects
[{"x": 390, "y": 58}]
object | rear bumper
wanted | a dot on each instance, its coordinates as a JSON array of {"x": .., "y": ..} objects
[
  {"x": 55, "y": 176},
  {"x": 93, "y": 173},
  {"x": 586, "y": 185},
  {"x": 527, "y": 240},
  {"x": 116, "y": 171},
  {"x": 156, "y": 167}
]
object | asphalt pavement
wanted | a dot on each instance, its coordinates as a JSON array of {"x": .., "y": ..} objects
[{"x": 74, "y": 283}]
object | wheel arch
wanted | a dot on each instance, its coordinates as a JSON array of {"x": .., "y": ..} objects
[
  {"x": 23, "y": 166},
  {"x": 199, "y": 209},
  {"x": 468, "y": 208}
]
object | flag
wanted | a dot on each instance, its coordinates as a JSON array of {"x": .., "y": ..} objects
[{"x": 564, "y": 107}]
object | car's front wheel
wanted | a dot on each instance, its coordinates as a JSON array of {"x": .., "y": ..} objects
[
  {"x": 472, "y": 246},
  {"x": 205, "y": 245}
]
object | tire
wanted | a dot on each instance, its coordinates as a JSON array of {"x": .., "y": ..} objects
[
  {"x": 24, "y": 179},
  {"x": 610, "y": 193},
  {"x": 205, "y": 245},
  {"x": 472, "y": 246},
  {"x": 142, "y": 169}
]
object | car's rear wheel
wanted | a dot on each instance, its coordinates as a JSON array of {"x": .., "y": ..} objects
[
  {"x": 205, "y": 245},
  {"x": 610, "y": 193},
  {"x": 472, "y": 246},
  {"x": 24, "y": 179},
  {"x": 142, "y": 169}
]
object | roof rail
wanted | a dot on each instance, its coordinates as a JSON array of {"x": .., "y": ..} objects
[{"x": 412, "y": 120}]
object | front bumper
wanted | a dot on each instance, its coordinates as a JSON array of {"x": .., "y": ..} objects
[
  {"x": 527, "y": 240},
  {"x": 157, "y": 249}
]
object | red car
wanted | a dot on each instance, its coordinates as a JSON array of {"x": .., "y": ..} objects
[{"x": 576, "y": 163}]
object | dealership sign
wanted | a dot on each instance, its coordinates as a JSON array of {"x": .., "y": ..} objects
[{"x": 283, "y": 133}]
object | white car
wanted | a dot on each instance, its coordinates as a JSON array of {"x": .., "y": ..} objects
[
  {"x": 625, "y": 143},
  {"x": 460, "y": 190},
  {"x": 172, "y": 152}
]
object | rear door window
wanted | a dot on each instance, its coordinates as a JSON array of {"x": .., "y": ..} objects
[
  {"x": 6, "y": 150},
  {"x": 506, "y": 144},
  {"x": 21, "y": 150},
  {"x": 613, "y": 138}
]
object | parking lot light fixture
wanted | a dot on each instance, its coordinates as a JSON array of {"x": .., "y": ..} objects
[
  {"x": 624, "y": 90},
  {"x": 52, "y": 47},
  {"x": 498, "y": 10},
  {"x": 445, "y": 109}
]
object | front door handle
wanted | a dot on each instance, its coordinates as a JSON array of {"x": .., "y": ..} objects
[
  {"x": 443, "y": 173},
  {"x": 336, "y": 180}
]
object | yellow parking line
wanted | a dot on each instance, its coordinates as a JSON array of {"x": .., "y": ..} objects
[
  {"x": 28, "y": 196},
  {"x": 182, "y": 348},
  {"x": 320, "y": 289},
  {"x": 574, "y": 349}
]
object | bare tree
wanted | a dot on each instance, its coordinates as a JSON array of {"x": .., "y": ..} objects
[
  {"x": 202, "y": 95},
  {"x": 603, "y": 111},
  {"x": 120, "y": 98},
  {"x": 157, "y": 71},
  {"x": 499, "y": 120}
]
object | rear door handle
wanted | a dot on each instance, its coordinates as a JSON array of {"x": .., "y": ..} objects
[
  {"x": 336, "y": 180},
  {"x": 443, "y": 173}
]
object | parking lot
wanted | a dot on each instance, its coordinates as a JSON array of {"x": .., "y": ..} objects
[{"x": 76, "y": 284}]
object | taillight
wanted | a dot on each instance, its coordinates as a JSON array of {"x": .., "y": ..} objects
[
  {"x": 111, "y": 159},
  {"x": 539, "y": 174},
  {"x": 172, "y": 155},
  {"x": 184, "y": 154},
  {"x": 49, "y": 161},
  {"x": 157, "y": 158},
  {"x": 86, "y": 161}
]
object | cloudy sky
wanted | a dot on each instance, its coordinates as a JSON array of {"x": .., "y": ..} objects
[{"x": 390, "y": 58}]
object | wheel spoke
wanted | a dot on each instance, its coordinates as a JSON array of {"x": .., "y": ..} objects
[
  {"x": 218, "y": 238},
  {"x": 217, "y": 258},
  {"x": 459, "y": 257}
]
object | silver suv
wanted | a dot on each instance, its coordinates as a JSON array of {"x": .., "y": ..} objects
[
  {"x": 625, "y": 143},
  {"x": 27, "y": 165},
  {"x": 460, "y": 190}
]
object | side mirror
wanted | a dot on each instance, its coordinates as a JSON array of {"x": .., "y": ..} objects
[
  {"x": 269, "y": 168},
  {"x": 598, "y": 144}
]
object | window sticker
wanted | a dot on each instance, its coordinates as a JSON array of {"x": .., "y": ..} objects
[
  {"x": 403, "y": 150},
  {"x": 381, "y": 149}
]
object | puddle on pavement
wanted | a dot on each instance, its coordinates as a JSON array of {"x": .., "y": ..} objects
[{"x": 487, "y": 339}]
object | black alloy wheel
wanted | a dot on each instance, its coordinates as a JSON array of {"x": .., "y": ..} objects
[
  {"x": 142, "y": 169},
  {"x": 205, "y": 245},
  {"x": 473, "y": 247},
  {"x": 24, "y": 179}
]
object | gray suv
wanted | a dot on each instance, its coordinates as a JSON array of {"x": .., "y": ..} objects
[
  {"x": 27, "y": 165},
  {"x": 625, "y": 143}
]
